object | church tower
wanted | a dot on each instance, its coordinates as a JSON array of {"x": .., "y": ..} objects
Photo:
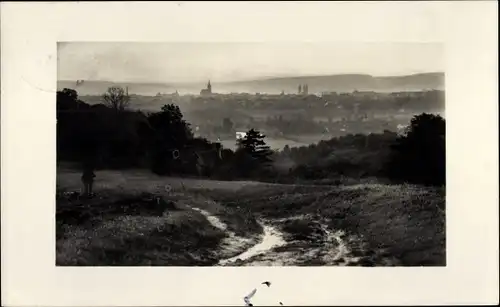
[{"x": 209, "y": 87}]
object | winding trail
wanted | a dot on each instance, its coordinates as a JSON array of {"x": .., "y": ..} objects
[
  {"x": 270, "y": 239},
  {"x": 264, "y": 250}
]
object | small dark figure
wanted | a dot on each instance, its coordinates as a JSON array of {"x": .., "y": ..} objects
[
  {"x": 267, "y": 283},
  {"x": 88, "y": 180}
]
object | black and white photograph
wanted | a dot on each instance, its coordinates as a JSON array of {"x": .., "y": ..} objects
[
  {"x": 254, "y": 153},
  {"x": 250, "y": 154}
]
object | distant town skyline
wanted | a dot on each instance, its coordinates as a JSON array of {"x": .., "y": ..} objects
[{"x": 226, "y": 62}]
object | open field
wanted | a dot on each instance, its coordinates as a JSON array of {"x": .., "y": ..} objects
[{"x": 137, "y": 218}]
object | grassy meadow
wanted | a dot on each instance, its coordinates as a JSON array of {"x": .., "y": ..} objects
[{"x": 137, "y": 218}]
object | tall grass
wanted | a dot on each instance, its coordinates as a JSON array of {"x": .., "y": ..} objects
[{"x": 115, "y": 230}]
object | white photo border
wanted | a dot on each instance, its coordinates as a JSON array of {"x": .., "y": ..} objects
[{"x": 29, "y": 36}]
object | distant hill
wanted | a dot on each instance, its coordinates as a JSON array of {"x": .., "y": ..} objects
[
  {"x": 317, "y": 84},
  {"x": 346, "y": 83}
]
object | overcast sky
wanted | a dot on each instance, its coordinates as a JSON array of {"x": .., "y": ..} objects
[{"x": 197, "y": 62}]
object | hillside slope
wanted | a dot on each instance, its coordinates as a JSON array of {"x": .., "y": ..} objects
[{"x": 381, "y": 225}]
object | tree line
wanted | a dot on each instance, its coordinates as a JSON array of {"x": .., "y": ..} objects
[{"x": 109, "y": 135}]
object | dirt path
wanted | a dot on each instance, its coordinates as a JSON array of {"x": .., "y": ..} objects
[
  {"x": 232, "y": 244},
  {"x": 271, "y": 248},
  {"x": 271, "y": 238}
]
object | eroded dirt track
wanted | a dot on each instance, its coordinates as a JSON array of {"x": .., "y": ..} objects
[{"x": 272, "y": 248}]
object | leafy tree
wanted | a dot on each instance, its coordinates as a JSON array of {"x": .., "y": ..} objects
[
  {"x": 169, "y": 123},
  {"x": 73, "y": 135},
  {"x": 116, "y": 98},
  {"x": 419, "y": 156},
  {"x": 171, "y": 134},
  {"x": 98, "y": 135},
  {"x": 67, "y": 99}
]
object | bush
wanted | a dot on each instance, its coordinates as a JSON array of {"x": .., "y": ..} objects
[{"x": 419, "y": 156}]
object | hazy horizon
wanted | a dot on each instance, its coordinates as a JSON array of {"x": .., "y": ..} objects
[
  {"x": 264, "y": 78},
  {"x": 229, "y": 62}
]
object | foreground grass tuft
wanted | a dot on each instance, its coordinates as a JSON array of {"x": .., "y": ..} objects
[{"x": 113, "y": 230}]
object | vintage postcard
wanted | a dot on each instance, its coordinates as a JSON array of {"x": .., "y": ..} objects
[
  {"x": 251, "y": 154},
  {"x": 228, "y": 154}
]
